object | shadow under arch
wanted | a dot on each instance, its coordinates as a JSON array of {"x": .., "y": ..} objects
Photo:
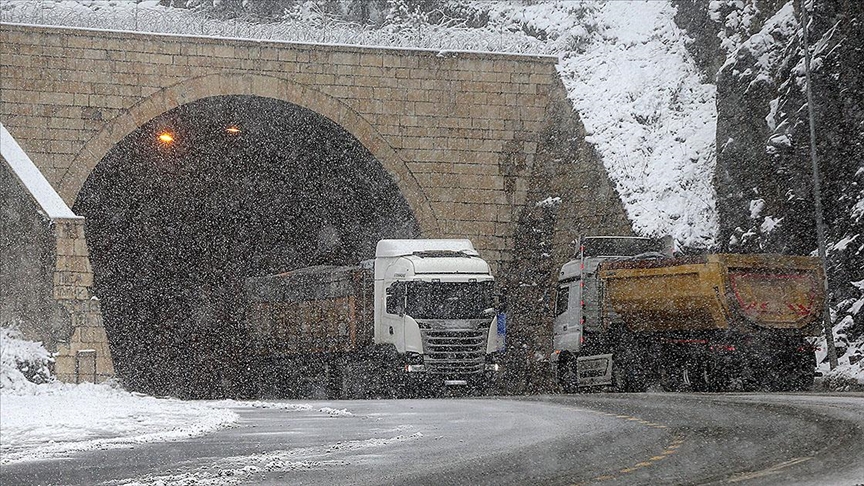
[
  {"x": 174, "y": 230},
  {"x": 230, "y": 84}
]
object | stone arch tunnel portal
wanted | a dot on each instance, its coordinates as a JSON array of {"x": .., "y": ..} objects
[{"x": 189, "y": 205}]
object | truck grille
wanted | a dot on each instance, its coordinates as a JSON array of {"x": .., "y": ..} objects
[{"x": 454, "y": 351}]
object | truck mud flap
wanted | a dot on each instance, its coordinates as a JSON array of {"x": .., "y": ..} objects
[{"x": 594, "y": 370}]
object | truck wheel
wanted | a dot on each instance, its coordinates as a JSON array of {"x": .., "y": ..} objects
[
  {"x": 627, "y": 377},
  {"x": 800, "y": 374},
  {"x": 699, "y": 375},
  {"x": 335, "y": 373},
  {"x": 619, "y": 377},
  {"x": 719, "y": 379},
  {"x": 567, "y": 377},
  {"x": 807, "y": 371}
]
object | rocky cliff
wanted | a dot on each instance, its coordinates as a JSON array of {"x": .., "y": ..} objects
[{"x": 754, "y": 51}]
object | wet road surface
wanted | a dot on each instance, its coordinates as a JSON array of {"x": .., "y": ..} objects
[{"x": 608, "y": 439}]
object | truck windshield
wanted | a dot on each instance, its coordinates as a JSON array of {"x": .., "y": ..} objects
[
  {"x": 449, "y": 300},
  {"x": 620, "y": 246}
]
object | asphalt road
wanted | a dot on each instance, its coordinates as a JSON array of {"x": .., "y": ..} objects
[{"x": 607, "y": 439}]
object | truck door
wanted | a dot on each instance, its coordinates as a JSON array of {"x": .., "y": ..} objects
[
  {"x": 568, "y": 316},
  {"x": 394, "y": 313}
]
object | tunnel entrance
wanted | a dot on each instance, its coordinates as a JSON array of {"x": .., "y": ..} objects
[{"x": 189, "y": 205}]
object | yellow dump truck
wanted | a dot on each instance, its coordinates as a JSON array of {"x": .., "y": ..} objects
[{"x": 629, "y": 315}]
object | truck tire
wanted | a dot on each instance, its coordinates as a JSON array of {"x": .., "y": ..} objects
[
  {"x": 335, "y": 375},
  {"x": 627, "y": 374},
  {"x": 687, "y": 375},
  {"x": 800, "y": 373},
  {"x": 568, "y": 379},
  {"x": 619, "y": 377},
  {"x": 719, "y": 376}
]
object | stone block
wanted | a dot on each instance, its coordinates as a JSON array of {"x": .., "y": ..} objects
[
  {"x": 65, "y": 365},
  {"x": 66, "y": 278},
  {"x": 82, "y": 293},
  {"x": 347, "y": 58},
  {"x": 70, "y": 229},
  {"x": 324, "y": 79},
  {"x": 65, "y": 246},
  {"x": 104, "y": 366},
  {"x": 73, "y": 263},
  {"x": 80, "y": 247},
  {"x": 85, "y": 279},
  {"x": 374, "y": 60}
]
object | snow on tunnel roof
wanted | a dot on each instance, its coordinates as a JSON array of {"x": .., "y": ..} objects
[
  {"x": 395, "y": 248},
  {"x": 31, "y": 178}
]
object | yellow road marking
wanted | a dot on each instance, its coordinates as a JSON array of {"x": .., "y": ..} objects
[
  {"x": 669, "y": 450},
  {"x": 771, "y": 470}
]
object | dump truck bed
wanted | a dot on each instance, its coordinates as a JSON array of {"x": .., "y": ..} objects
[
  {"x": 322, "y": 309},
  {"x": 715, "y": 292}
]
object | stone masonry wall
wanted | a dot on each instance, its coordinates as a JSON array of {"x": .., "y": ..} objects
[
  {"x": 443, "y": 124},
  {"x": 45, "y": 285},
  {"x": 473, "y": 140},
  {"x": 569, "y": 196}
]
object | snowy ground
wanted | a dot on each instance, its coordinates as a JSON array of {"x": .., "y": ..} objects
[
  {"x": 53, "y": 419},
  {"x": 59, "y": 419}
]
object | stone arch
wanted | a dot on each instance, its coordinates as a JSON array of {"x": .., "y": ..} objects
[{"x": 229, "y": 84}]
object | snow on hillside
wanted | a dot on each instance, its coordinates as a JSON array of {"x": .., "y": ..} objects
[
  {"x": 624, "y": 64},
  {"x": 630, "y": 77}
]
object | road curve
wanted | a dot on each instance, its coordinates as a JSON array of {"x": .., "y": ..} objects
[{"x": 607, "y": 439}]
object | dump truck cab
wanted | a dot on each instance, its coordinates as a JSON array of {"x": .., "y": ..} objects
[{"x": 577, "y": 305}]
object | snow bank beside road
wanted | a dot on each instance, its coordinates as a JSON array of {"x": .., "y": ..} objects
[
  {"x": 52, "y": 419},
  {"x": 61, "y": 419}
]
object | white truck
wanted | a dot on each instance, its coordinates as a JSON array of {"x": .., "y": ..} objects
[{"x": 420, "y": 318}]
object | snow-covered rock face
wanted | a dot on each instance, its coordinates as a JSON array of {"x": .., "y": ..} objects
[
  {"x": 764, "y": 172},
  {"x": 652, "y": 120}
]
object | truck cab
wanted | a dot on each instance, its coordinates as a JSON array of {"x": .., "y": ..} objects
[
  {"x": 435, "y": 303},
  {"x": 577, "y": 305},
  {"x": 578, "y": 322}
]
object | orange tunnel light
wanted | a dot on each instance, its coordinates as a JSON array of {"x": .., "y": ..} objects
[{"x": 166, "y": 137}]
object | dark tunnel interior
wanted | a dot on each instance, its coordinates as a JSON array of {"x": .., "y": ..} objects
[{"x": 247, "y": 186}]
